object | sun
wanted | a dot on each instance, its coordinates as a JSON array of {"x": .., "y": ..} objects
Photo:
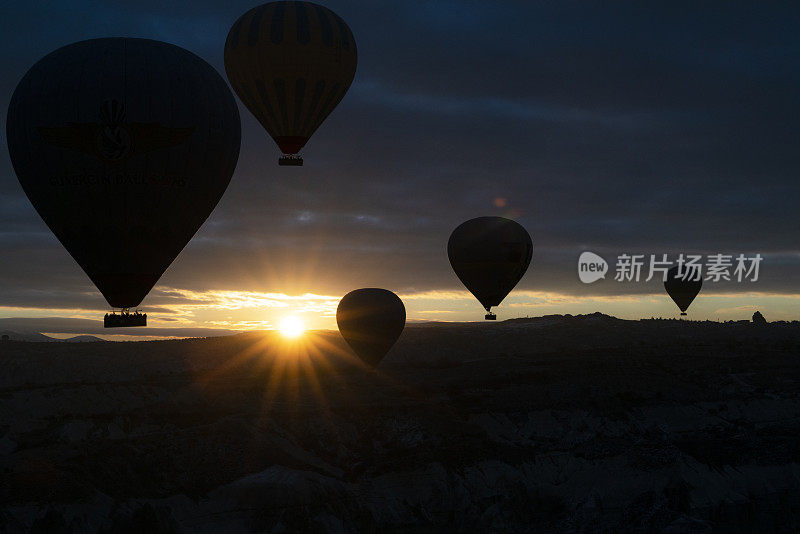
[{"x": 292, "y": 327}]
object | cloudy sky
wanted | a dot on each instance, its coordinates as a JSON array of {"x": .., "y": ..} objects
[{"x": 638, "y": 128}]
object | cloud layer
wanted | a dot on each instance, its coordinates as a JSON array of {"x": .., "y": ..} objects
[{"x": 617, "y": 129}]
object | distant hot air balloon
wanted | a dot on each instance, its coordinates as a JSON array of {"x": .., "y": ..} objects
[
  {"x": 682, "y": 291},
  {"x": 371, "y": 320},
  {"x": 490, "y": 255},
  {"x": 290, "y": 63},
  {"x": 124, "y": 147}
]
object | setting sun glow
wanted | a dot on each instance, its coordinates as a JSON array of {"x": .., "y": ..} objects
[{"x": 292, "y": 327}]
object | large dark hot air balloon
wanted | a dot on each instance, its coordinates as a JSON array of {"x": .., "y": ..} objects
[
  {"x": 683, "y": 290},
  {"x": 490, "y": 255},
  {"x": 291, "y": 63},
  {"x": 371, "y": 320},
  {"x": 124, "y": 147}
]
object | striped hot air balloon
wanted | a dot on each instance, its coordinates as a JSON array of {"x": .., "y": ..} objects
[{"x": 290, "y": 63}]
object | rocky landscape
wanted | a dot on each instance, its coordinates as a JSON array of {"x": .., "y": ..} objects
[{"x": 551, "y": 424}]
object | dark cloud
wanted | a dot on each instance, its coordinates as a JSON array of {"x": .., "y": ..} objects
[{"x": 632, "y": 128}]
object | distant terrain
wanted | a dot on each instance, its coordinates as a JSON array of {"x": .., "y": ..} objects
[
  {"x": 551, "y": 424},
  {"x": 36, "y": 336},
  {"x": 30, "y": 329}
]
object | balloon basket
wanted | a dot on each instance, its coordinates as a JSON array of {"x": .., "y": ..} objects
[
  {"x": 490, "y": 317},
  {"x": 124, "y": 319},
  {"x": 683, "y": 313},
  {"x": 290, "y": 161}
]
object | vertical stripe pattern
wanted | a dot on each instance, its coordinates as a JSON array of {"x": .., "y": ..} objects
[{"x": 291, "y": 63}]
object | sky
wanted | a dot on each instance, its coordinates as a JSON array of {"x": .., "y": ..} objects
[{"x": 632, "y": 128}]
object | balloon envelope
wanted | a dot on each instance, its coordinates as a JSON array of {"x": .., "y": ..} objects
[
  {"x": 371, "y": 320},
  {"x": 682, "y": 291},
  {"x": 290, "y": 63},
  {"x": 124, "y": 147},
  {"x": 490, "y": 255}
]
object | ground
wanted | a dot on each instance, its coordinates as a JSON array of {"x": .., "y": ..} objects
[{"x": 554, "y": 424}]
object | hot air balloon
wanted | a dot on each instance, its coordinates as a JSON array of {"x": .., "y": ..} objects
[
  {"x": 124, "y": 147},
  {"x": 490, "y": 255},
  {"x": 683, "y": 289},
  {"x": 371, "y": 320},
  {"x": 290, "y": 63}
]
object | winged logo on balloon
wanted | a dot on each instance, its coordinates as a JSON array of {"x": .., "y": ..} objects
[{"x": 113, "y": 139}]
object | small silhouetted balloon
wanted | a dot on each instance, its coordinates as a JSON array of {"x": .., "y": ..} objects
[
  {"x": 124, "y": 147},
  {"x": 371, "y": 320},
  {"x": 290, "y": 63},
  {"x": 490, "y": 255},
  {"x": 682, "y": 291}
]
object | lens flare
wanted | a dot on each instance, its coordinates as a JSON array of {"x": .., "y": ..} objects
[{"x": 292, "y": 327}]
